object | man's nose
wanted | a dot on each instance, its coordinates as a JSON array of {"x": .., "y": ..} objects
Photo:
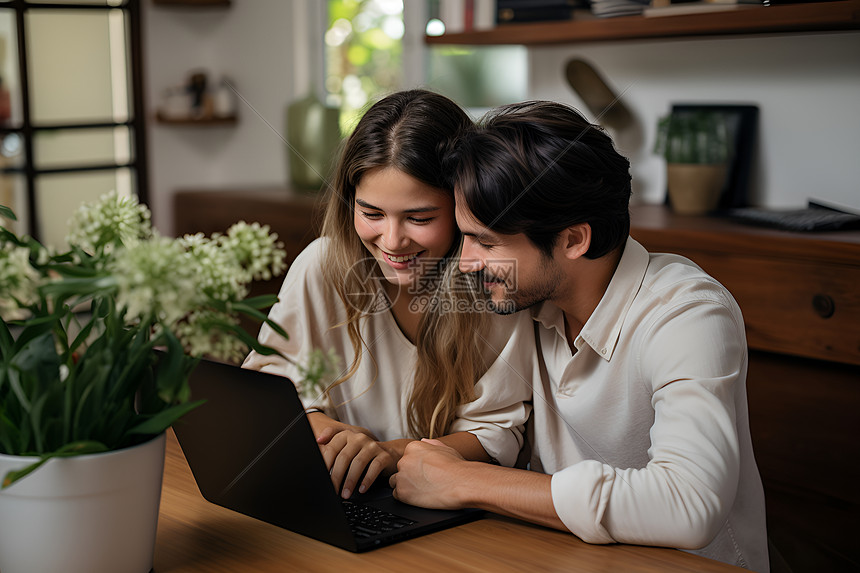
[{"x": 470, "y": 262}]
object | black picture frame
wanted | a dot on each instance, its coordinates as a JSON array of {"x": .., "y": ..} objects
[{"x": 742, "y": 124}]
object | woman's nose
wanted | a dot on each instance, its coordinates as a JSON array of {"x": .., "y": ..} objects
[{"x": 394, "y": 238}]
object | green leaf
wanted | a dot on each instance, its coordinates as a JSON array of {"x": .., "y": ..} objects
[
  {"x": 9, "y": 435},
  {"x": 164, "y": 419},
  {"x": 6, "y": 340},
  {"x": 263, "y": 301},
  {"x": 35, "y": 328},
  {"x": 251, "y": 341},
  {"x": 69, "y": 450},
  {"x": 249, "y": 310},
  {"x": 82, "y": 335},
  {"x": 74, "y": 271},
  {"x": 277, "y": 328},
  {"x": 254, "y": 313},
  {"x": 8, "y": 213},
  {"x": 173, "y": 369},
  {"x": 83, "y": 286},
  {"x": 37, "y": 356}
]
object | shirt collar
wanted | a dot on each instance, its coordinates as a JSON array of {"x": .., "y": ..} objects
[{"x": 603, "y": 327}]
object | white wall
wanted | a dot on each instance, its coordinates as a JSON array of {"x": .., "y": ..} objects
[
  {"x": 807, "y": 88},
  {"x": 252, "y": 43}
]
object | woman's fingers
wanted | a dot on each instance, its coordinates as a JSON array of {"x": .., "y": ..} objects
[
  {"x": 327, "y": 434},
  {"x": 370, "y": 462},
  {"x": 340, "y": 452},
  {"x": 351, "y": 455},
  {"x": 373, "y": 470}
]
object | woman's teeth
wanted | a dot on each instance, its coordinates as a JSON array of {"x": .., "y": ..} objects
[{"x": 402, "y": 259}]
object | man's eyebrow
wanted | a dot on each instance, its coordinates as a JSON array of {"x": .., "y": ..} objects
[
  {"x": 484, "y": 236},
  {"x": 427, "y": 209}
]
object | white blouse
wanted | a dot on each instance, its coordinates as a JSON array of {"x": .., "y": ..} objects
[{"x": 376, "y": 396}]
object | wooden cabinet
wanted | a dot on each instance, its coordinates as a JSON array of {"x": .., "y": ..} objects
[
  {"x": 800, "y": 293},
  {"x": 295, "y": 217},
  {"x": 800, "y": 297},
  {"x": 786, "y": 18}
]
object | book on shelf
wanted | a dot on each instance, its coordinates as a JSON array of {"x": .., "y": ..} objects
[
  {"x": 513, "y": 11},
  {"x": 677, "y": 9},
  {"x": 465, "y": 15}
]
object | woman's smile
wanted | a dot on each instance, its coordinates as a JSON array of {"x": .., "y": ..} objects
[{"x": 401, "y": 261}]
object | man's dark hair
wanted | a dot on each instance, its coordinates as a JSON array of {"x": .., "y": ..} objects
[{"x": 539, "y": 167}]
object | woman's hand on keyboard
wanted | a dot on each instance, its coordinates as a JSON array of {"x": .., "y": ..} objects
[{"x": 351, "y": 454}]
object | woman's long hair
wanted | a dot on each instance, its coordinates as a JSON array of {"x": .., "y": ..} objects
[{"x": 410, "y": 131}]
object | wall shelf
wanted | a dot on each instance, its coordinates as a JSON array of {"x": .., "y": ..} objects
[
  {"x": 193, "y": 3},
  {"x": 203, "y": 121},
  {"x": 789, "y": 18}
]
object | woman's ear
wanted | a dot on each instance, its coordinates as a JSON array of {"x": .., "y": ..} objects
[{"x": 575, "y": 240}]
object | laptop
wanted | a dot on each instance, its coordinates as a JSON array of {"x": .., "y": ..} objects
[{"x": 251, "y": 449}]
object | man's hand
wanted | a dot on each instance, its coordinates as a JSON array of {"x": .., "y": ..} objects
[
  {"x": 427, "y": 475},
  {"x": 349, "y": 453}
]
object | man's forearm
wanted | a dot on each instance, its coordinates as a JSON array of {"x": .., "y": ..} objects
[{"x": 516, "y": 493}]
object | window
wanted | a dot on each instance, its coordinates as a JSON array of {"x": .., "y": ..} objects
[
  {"x": 377, "y": 46},
  {"x": 479, "y": 77},
  {"x": 363, "y": 54},
  {"x": 71, "y": 112}
]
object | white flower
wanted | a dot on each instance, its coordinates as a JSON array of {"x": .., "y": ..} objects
[
  {"x": 217, "y": 272},
  {"x": 317, "y": 373},
  {"x": 156, "y": 279},
  {"x": 201, "y": 334},
  {"x": 111, "y": 222},
  {"x": 18, "y": 279},
  {"x": 256, "y": 250}
]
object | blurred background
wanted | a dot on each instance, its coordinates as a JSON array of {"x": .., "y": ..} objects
[{"x": 93, "y": 93}]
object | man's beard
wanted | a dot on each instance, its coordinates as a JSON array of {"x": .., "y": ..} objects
[{"x": 525, "y": 296}]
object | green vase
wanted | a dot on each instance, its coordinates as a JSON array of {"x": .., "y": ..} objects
[{"x": 313, "y": 133}]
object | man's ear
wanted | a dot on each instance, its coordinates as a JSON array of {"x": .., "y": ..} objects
[{"x": 575, "y": 240}]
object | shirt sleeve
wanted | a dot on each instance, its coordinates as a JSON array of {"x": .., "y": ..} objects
[
  {"x": 501, "y": 407},
  {"x": 694, "y": 361},
  {"x": 305, "y": 311}
]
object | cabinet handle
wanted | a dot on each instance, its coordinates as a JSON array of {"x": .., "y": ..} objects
[{"x": 823, "y": 305}]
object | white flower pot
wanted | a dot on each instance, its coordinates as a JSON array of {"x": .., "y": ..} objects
[{"x": 86, "y": 514}]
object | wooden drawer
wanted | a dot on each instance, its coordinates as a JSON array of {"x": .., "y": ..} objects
[
  {"x": 799, "y": 292},
  {"x": 799, "y": 308}
]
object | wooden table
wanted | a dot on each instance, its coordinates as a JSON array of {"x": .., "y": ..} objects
[{"x": 195, "y": 536}]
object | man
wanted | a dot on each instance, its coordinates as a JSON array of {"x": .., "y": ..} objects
[{"x": 640, "y": 431}]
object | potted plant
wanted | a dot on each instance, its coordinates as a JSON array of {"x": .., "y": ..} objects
[
  {"x": 96, "y": 347},
  {"x": 696, "y": 148}
]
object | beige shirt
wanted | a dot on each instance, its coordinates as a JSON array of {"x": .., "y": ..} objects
[
  {"x": 645, "y": 428},
  {"x": 376, "y": 396}
]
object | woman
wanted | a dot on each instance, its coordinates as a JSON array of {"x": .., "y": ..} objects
[{"x": 381, "y": 289}]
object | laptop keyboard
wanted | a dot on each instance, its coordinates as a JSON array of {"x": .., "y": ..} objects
[{"x": 367, "y": 521}]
